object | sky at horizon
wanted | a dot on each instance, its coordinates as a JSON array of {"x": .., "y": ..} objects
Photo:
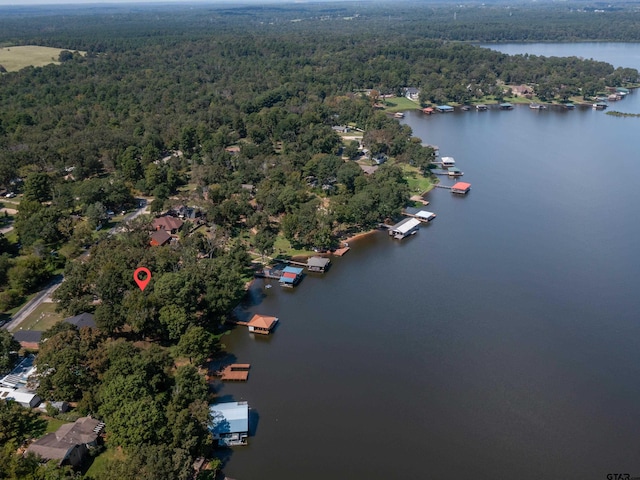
[{"x": 17, "y": 3}]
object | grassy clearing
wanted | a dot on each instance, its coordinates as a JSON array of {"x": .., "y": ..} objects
[
  {"x": 53, "y": 424},
  {"x": 399, "y": 104},
  {"x": 101, "y": 462},
  {"x": 42, "y": 318},
  {"x": 418, "y": 184},
  {"x": 282, "y": 248},
  {"x": 17, "y": 58}
]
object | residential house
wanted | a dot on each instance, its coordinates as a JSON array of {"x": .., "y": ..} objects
[
  {"x": 81, "y": 320},
  {"x": 522, "y": 91},
  {"x": 19, "y": 376},
  {"x": 70, "y": 443},
  {"x": 160, "y": 238},
  {"x": 28, "y": 339},
  {"x": 167, "y": 223},
  {"x": 229, "y": 423},
  {"x": 412, "y": 93}
]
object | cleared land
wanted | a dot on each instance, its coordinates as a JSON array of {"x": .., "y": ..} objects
[
  {"x": 17, "y": 58},
  {"x": 42, "y": 318}
]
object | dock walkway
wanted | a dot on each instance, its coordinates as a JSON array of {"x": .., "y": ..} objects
[{"x": 448, "y": 187}]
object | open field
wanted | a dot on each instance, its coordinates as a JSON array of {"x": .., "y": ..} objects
[
  {"x": 42, "y": 318},
  {"x": 17, "y": 58},
  {"x": 399, "y": 104}
]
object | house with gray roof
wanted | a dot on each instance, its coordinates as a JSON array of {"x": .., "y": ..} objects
[{"x": 70, "y": 443}]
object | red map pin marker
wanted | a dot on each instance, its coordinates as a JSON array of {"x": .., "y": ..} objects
[{"x": 142, "y": 283}]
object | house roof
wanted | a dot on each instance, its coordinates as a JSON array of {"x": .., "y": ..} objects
[
  {"x": 27, "y": 336},
  {"x": 294, "y": 270},
  {"x": 82, "y": 320},
  {"x": 406, "y": 225},
  {"x": 425, "y": 214},
  {"x": 57, "y": 445},
  {"x": 230, "y": 417},
  {"x": 263, "y": 321},
  {"x": 167, "y": 222},
  {"x": 21, "y": 396},
  {"x": 319, "y": 262},
  {"x": 160, "y": 237},
  {"x": 21, "y": 373},
  {"x": 49, "y": 447},
  {"x": 461, "y": 186}
]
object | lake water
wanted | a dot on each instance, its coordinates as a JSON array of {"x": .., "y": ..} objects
[{"x": 501, "y": 341}]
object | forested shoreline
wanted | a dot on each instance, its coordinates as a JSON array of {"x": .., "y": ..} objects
[{"x": 231, "y": 111}]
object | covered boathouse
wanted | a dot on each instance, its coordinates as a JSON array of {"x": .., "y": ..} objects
[
  {"x": 318, "y": 264},
  {"x": 461, "y": 188},
  {"x": 291, "y": 276},
  {"x": 406, "y": 227},
  {"x": 262, "y": 324},
  {"x": 229, "y": 423}
]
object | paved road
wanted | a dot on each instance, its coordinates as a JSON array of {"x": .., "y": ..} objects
[{"x": 13, "y": 324}]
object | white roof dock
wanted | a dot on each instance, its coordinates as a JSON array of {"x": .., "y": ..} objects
[
  {"x": 405, "y": 227},
  {"x": 230, "y": 417}
]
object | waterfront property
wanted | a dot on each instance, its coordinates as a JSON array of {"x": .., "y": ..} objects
[
  {"x": 70, "y": 443},
  {"x": 229, "y": 423},
  {"x": 461, "y": 188},
  {"x": 506, "y": 106},
  {"x": 318, "y": 264},
  {"x": 454, "y": 172},
  {"x": 291, "y": 276},
  {"x": 444, "y": 109},
  {"x": 481, "y": 107},
  {"x": 408, "y": 226},
  {"x": 262, "y": 324},
  {"x": 428, "y": 110}
]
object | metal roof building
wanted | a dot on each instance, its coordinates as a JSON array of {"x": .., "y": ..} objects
[
  {"x": 229, "y": 423},
  {"x": 405, "y": 228}
]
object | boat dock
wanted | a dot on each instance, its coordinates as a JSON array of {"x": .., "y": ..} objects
[
  {"x": 236, "y": 372},
  {"x": 448, "y": 187}
]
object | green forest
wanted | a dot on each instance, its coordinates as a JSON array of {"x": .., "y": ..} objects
[{"x": 230, "y": 111}]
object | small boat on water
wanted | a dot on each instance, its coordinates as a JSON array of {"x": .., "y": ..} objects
[
  {"x": 599, "y": 106},
  {"x": 537, "y": 106},
  {"x": 399, "y": 115}
]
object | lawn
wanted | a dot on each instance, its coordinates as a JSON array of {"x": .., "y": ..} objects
[
  {"x": 42, "y": 318},
  {"x": 418, "y": 184},
  {"x": 53, "y": 424},
  {"x": 101, "y": 462},
  {"x": 282, "y": 248},
  {"x": 17, "y": 58},
  {"x": 399, "y": 104}
]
